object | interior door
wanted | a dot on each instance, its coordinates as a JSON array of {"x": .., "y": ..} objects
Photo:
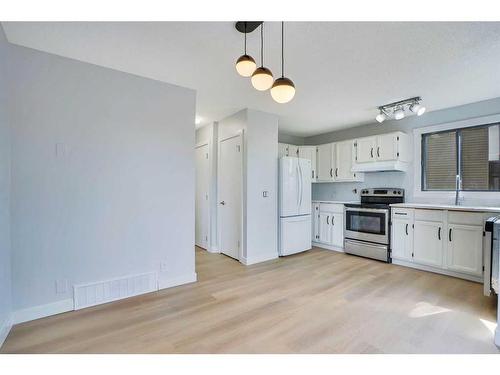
[
  {"x": 365, "y": 149},
  {"x": 201, "y": 199},
  {"x": 324, "y": 162},
  {"x": 229, "y": 195},
  {"x": 465, "y": 248},
  {"x": 387, "y": 147},
  {"x": 428, "y": 244}
]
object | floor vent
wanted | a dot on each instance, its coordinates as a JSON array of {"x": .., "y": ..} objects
[{"x": 99, "y": 292}]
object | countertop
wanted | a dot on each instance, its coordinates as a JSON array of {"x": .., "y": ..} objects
[{"x": 432, "y": 206}]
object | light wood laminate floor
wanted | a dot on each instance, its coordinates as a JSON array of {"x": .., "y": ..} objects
[{"x": 316, "y": 302}]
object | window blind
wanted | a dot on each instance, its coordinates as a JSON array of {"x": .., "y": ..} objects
[
  {"x": 474, "y": 161},
  {"x": 440, "y": 161}
]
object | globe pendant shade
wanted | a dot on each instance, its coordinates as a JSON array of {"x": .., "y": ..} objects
[
  {"x": 245, "y": 65},
  {"x": 283, "y": 90},
  {"x": 262, "y": 79}
]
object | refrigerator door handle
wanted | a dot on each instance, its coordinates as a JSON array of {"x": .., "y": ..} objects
[{"x": 301, "y": 192}]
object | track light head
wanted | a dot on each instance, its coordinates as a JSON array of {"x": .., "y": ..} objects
[
  {"x": 381, "y": 117},
  {"x": 399, "y": 113}
]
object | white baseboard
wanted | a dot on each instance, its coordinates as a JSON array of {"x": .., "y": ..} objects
[
  {"x": 213, "y": 249},
  {"x": 328, "y": 247},
  {"x": 5, "y": 327},
  {"x": 258, "y": 259},
  {"x": 178, "y": 280},
  {"x": 41, "y": 311}
]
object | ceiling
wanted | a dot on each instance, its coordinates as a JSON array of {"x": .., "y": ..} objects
[{"x": 342, "y": 71}]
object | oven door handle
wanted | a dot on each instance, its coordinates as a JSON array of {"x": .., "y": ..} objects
[{"x": 383, "y": 210}]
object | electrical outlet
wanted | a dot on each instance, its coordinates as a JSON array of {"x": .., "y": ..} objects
[
  {"x": 62, "y": 286},
  {"x": 163, "y": 266}
]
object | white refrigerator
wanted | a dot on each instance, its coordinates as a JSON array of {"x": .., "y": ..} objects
[{"x": 294, "y": 205}]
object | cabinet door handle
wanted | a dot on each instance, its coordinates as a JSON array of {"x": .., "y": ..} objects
[
  {"x": 371, "y": 152},
  {"x": 449, "y": 235},
  {"x": 331, "y": 172},
  {"x": 327, "y": 222},
  {"x": 336, "y": 172},
  {"x": 378, "y": 151},
  {"x": 406, "y": 229},
  {"x": 333, "y": 221},
  {"x": 439, "y": 234}
]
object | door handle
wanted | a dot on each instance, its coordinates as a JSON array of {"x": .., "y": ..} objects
[
  {"x": 371, "y": 152},
  {"x": 378, "y": 151},
  {"x": 449, "y": 235},
  {"x": 331, "y": 172},
  {"x": 439, "y": 234},
  {"x": 336, "y": 172},
  {"x": 333, "y": 222},
  {"x": 327, "y": 219},
  {"x": 312, "y": 174},
  {"x": 406, "y": 229},
  {"x": 222, "y": 203}
]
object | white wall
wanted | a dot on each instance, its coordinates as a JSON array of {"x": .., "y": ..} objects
[
  {"x": 260, "y": 162},
  {"x": 5, "y": 247},
  {"x": 119, "y": 197}
]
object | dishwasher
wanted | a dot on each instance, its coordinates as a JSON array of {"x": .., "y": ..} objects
[{"x": 491, "y": 264}]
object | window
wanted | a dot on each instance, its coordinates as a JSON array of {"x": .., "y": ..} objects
[{"x": 472, "y": 153}]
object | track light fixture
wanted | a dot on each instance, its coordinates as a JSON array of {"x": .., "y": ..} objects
[{"x": 398, "y": 110}]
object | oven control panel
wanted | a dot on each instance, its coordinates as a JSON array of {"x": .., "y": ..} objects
[{"x": 383, "y": 192}]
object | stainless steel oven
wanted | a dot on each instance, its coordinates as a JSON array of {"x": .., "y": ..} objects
[{"x": 367, "y": 224}]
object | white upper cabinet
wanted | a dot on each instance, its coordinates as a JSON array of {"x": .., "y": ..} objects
[
  {"x": 386, "y": 152},
  {"x": 293, "y": 150},
  {"x": 365, "y": 148},
  {"x": 343, "y": 162},
  {"x": 282, "y": 150},
  {"x": 325, "y": 162},
  {"x": 309, "y": 153}
]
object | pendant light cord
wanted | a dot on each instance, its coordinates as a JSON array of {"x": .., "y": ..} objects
[
  {"x": 262, "y": 44},
  {"x": 245, "y": 38},
  {"x": 282, "y": 48}
]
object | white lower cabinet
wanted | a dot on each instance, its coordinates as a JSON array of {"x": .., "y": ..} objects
[
  {"x": 328, "y": 224},
  {"x": 462, "y": 241},
  {"x": 402, "y": 239},
  {"x": 439, "y": 240},
  {"x": 428, "y": 243}
]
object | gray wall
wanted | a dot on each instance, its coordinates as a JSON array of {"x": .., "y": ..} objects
[
  {"x": 344, "y": 191},
  {"x": 5, "y": 248},
  {"x": 290, "y": 139},
  {"x": 117, "y": 198}
]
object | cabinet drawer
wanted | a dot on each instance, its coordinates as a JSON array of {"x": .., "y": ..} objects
[
  {"x": 466, "y": 218},
  {"x": 402, "y": 213},
  {"x": 331, "y": 207},
  {"x": 429, "y": 215}
]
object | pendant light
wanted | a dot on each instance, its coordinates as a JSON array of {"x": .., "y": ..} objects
[
  {"x": 283, "y": 89},
  {"x": 262, "y": 78},
  {"x": 245, "y": 65}
]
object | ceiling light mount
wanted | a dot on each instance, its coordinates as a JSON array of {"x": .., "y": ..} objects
[
  {"x": 397, "y": 110},
  {"x": 246, "y": 27}
]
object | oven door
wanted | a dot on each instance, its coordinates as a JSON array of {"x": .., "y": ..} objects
[{"x": 367, "y": 224}]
